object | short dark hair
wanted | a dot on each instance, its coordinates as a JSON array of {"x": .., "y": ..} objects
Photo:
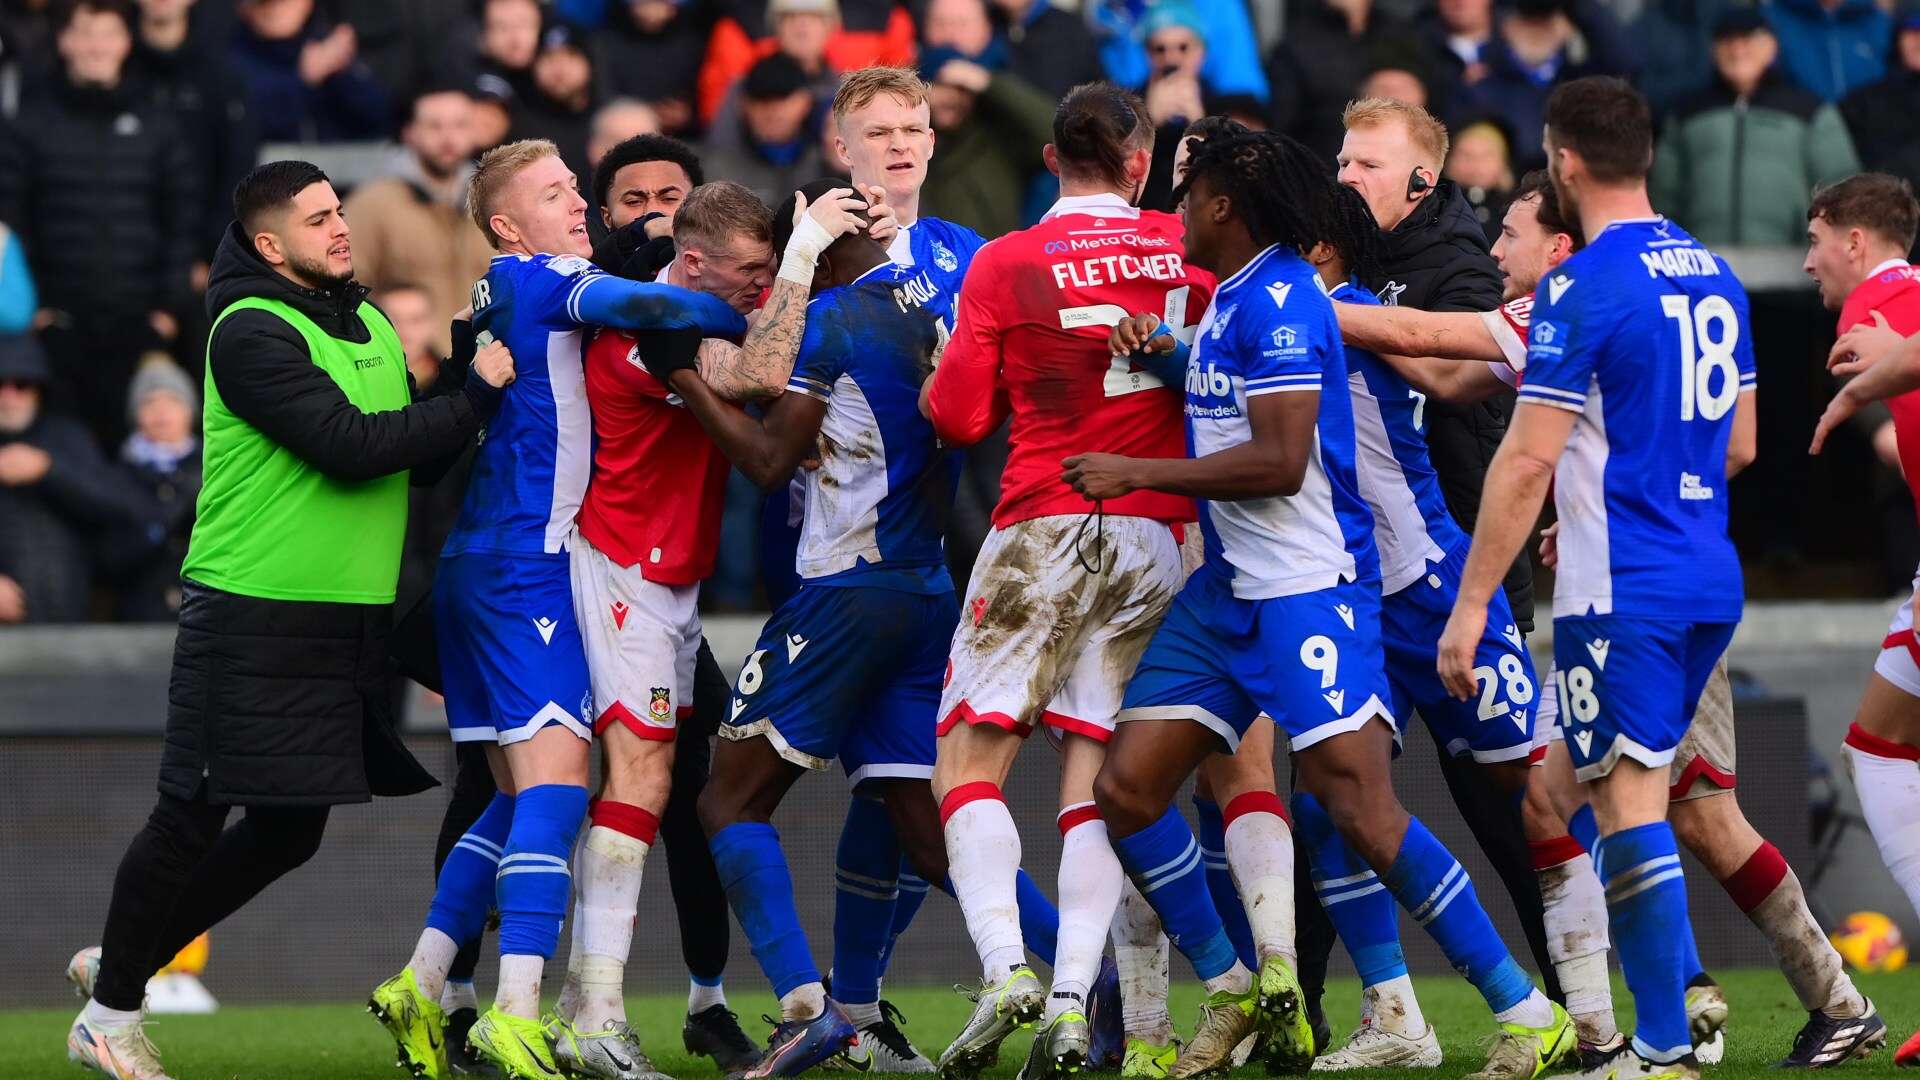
[
  {"x": 65, "y": 13},
  {"x": 434, "y": 89},
  {"x": 813, "y": 189},
  {"x": 713, "y": 214},
  {"x": 1607, "y": 123},
  {"x": 1876, "y": 202},
  {"x": 773, "y": 77},
  {"x": 644, "y": 148},
  {"x": 1096, "y": 127},
  {"x": 1538, "y": 185},
  {"x": 270, "y": 187}
]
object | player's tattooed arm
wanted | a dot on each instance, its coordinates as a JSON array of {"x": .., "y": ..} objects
[{"x": 758, "y": 367}]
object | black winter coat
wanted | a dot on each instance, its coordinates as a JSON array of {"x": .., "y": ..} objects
[
  {"x": 103, "y": 190},
  {"x": 1437, "y": 260},
  {"x": 280, "y": 702}
]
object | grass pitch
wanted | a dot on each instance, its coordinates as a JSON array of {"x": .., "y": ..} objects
[{"x": 341, "y": 1042}]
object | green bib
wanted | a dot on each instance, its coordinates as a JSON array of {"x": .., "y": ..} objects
[{"x": 270, "y": 525}]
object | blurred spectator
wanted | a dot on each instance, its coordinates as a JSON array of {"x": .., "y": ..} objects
[
  {"x": 825, "y": 36},
  {"x": 419, "y": 325},
  {"x": 100, "y": 185},
  {"x": 648, "y": 50},
  {"x": 1330, "y": 48},
  {"x": 493, "y": 105},
  {"x": 411, "y": 225},
  {"x": 1884, "y": 117},
  {"x": 764, "y": 138},
  {"x": 304, "y": 76},
  {"x": 1675, "y": 37},
  {"x": 509, "y": 40},
  {"x": 1051, "y": 49},
  {"x": 56, "y": 492},
  {"x": 1506, "y": 63},
  {"x": 1175, "y": 93},
  {"x": 1480, "y": 164},
  {"x": 162, "y": 459},
  {"x": 1396, "y": 84},
  {"x": 1830, "y": 47},
  {"x": 186, "y": 71},
  {"x": 616, "y": 122},
  {"x": 560, "y": 106},
  {"x": 1737, "y": 163},
  {"x": 1232, "y": 66},
  {"x": 408, "y": 44},
  {"x": 991, "y": 128},
  {"x": 18, "y": 299}
]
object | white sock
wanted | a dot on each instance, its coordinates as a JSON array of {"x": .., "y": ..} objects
[
  {"x": 1260, "y": 858},
  {"x": 1889, "y": 789},
  {"x": 519, "y": 991},
  {"x": 983, "y": 859},
  {"x": 1534, "y": 1012},
  {"x": 803, "y": 1002},
  {"x": 568, "y": 1002},
  {"x": 458, "y": 994},
  {"x": 432, "y": 956},
  {"x": 1236, "y": 979},
  {"x": 1090, "y": 877},
  {"x": 102, "y": 1017},
  {"x": 1141, "y": 952},
  {"x": 701, "y": 997},
  {"x": 1575, "y": 909},
  {"x": 864, "y": 1014},
  {"x": 1391, "y": 1006},
  {"x": 1807, "y": 958},
  {"x": 607, "y": 874}
]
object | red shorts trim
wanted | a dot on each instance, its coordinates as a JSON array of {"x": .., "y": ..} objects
[
  {"x": 1076, "y": 726},
  {"x": 1696, "y": 769},
  {"x": 1554, "y": 852},
  {"x": 1537, "y": 755},
  {"x": 1253, "y": 802},
  {"x": 964, "y": 712},
  {"x": 1075, "y": 816},
  {"x": 1903, "y": 639},
  {"x": 1868, "y": 743},
  {"x": 621, "y": 713}
]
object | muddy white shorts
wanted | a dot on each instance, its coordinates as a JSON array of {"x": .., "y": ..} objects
[
  {"x": 1899, "y": 660},
  {"x": 1055, "y": 619},
  {"x": 642, "y": 638}
]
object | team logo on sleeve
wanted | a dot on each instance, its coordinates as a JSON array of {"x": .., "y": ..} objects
[
  {"x": 1279, "y": 294},
  {"x": 1220, "y": 321},
  {"x": 1557, "y": 287},
  {"x": 568, "y": 265},
  {"x": 944, "y": 258},
  {"x": 660, "y": 705}
]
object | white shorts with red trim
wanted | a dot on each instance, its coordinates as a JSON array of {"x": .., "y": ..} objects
[
  {"x": 1899, "y": 660},
  {"x": 642, "y": 638},
  {"x": 1703, "y": 763},
  {"x": 1044, "y": 639}
]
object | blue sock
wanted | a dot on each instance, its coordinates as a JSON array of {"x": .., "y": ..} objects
[
  {"x": 759, "y": 887},
  {"x": 866, "y": 892},
  {"x": 1647, "y": 911},
  {"x": 1360, "y": 907},
  {"x": 913, "y": 893},
  {"x": 1164, "y": 862},
  {"x": 1226, "y": 898},
  {"x": 1039, "y": 919},
  {"x": 1583, "y": 828},
  {"x": 464, "y": 893},
  {"x": 1436, "y": 891},
  {"x": 533, "y": 882}
]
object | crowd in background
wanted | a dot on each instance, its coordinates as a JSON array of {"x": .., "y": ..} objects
[{"x": 124, "y": 126}]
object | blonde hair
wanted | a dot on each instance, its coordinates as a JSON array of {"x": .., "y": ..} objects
[
  {"x": 716, "y": 212},
  {"x": 859, "y": 88},
  {"x": 1427, "y": 133},
  {"x": 496, "y": 170}
]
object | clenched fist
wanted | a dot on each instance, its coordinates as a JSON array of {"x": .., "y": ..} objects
[{"x": 494, "y": 364}]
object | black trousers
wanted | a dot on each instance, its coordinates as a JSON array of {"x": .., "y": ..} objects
[
  {"x": 1493, "y": 816},
  {"x": 698, "y": 898},
  {"x": 183, "y": 873}
]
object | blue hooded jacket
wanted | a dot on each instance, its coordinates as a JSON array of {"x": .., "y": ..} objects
[{"x": 1831, "y": 52}]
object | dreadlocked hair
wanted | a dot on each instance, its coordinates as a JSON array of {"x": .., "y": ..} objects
[
  {"x": 1278, "y": 188},
  {"x": 1356, "y": 236}
]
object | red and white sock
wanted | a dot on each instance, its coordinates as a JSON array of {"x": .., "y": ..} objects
[
  {"x": 983, "y": 860},
  {"x": 607, "y": 875},
  {"x": 1574, "y": 907},
  {"x": 1259, "y": 840},
  {"x": 1141, "y": 952},
  {"x": 1090, "y": 877},
  {"x": 1766, "y": 888},
  {"x": 1886, "y": 775}
]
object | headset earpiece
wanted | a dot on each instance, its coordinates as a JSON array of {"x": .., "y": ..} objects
[{"x": 1417, "y": 184}]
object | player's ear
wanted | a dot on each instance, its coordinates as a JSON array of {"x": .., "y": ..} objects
[{"x": 1052, "y": 157}]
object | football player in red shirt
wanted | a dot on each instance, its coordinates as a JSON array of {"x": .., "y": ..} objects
[{"x": 1066, "y": 591}]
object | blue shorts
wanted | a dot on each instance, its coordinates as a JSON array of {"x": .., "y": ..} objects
[
  {"x": 511, "y": 657},
  {"x": 1311, "y": 661},
  {"x": 1497, "y": 723},
  {"x": 1629, "y": 686},
  {"x": 851, "y": 672}
]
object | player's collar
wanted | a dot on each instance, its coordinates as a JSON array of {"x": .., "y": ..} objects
[
  {"x": 1105, "y": 204},
  {"x": 874, "y": 269},
  {"x": 1657, "y": 219},
  {"x": 1890, "y": 264},
  {"x": 1252, "y": 264}
]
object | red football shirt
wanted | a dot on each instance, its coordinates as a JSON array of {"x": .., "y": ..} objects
[
  {"x": 655, "y": 496},
  {"x": 1030, "y": 340},
  {"x": 1893, "y": 289}
]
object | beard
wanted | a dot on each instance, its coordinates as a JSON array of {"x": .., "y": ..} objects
[{"x": 315, "y": 273}]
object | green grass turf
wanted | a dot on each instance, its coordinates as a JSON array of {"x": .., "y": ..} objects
[{"x": 341, "y": 1042}]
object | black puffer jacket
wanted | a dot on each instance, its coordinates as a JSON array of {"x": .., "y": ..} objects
[
  {"x": 103, "y": 190},
  {"x": 1437, "y": 260}
]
